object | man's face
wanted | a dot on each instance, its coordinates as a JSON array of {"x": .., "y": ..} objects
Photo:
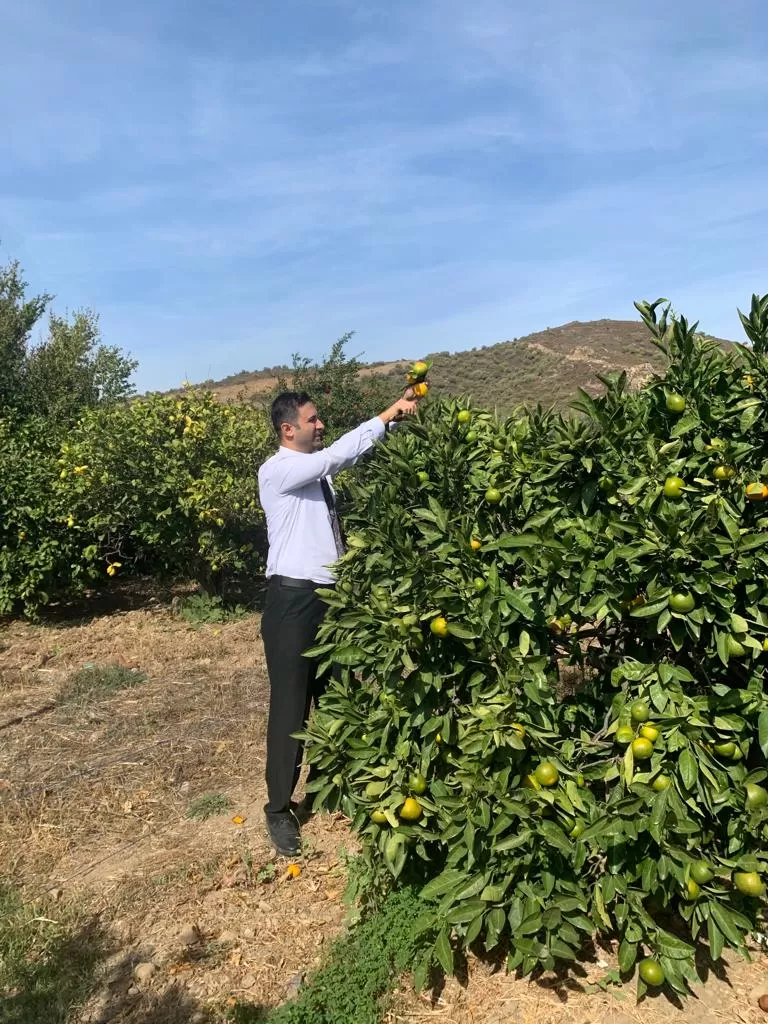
[{"x": 307, "y": 435}]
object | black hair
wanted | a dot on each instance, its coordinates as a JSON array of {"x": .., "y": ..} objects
[{"x": 285, "y": 408}]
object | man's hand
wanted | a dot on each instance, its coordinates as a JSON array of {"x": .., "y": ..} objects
[{"x": 402, "y": 407}]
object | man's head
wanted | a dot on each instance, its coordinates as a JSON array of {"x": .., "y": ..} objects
[{"x": 296, "y": 422}]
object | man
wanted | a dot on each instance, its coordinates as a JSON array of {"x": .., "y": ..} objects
[{"x": 304, "y": 540}]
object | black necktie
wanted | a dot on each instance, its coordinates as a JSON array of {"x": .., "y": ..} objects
[{"x": 335, "y": 525}]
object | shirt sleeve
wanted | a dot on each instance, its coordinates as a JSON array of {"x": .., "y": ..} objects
[{"x": 300, "y": 470}]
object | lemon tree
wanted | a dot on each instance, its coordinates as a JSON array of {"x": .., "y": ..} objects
[{"x": 591, "y": 721}]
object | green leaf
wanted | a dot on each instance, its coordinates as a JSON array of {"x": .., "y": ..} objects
[
  {"x": 627, "y": 956},
  {"x": 350, "y": 656},
  {"x": 555, "y": 836},
  {"x": 762, "y": 732},
  {"x": 461, "y": 631},
  {"x": 716, "y": 939},
  {"x": 689, "y": 770},
  {"x": 443, "y": 951}
]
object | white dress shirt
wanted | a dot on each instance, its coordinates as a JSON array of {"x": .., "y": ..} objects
[{"x": 299, "y": 528}]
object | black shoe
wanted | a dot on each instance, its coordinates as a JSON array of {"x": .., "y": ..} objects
[
  {"x": 303, "y": 810},
  {"x": 285, "y": 833}
]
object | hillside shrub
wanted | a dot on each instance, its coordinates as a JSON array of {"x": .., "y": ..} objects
[
  {"x": 343, "y": 397},
  {"x": 550, "y": 711}
]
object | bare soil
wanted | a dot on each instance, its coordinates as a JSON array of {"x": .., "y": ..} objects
[{"x": 94, "y": 799}]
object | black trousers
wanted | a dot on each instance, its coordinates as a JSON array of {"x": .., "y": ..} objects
[{"x": 289, "y": 625}]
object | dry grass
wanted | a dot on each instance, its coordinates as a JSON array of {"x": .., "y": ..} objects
[
  {"x": 94, "y": 802},
  {"x": 94, "y": 798}
]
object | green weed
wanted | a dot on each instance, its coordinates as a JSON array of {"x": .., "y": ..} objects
[
  {"x": 207, "y": 805},
  {"x": 199, "y": 609},
  {"x": 354, "y": 983},
  {"x": 50, "y": 960},
  {"x": 94, "y": 682}
]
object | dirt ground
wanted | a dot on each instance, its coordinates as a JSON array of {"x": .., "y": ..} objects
[{"x": 93, "y": 807}]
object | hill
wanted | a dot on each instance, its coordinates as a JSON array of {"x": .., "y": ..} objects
[{"x": 546, "y": 367}]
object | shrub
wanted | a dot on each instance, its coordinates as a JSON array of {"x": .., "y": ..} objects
[
  {"x": 561, "y": 729},
  {"x": 167, "y": 485}
]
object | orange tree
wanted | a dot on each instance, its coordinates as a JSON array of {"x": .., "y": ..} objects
[
  {"x": 549, "y": 707},
  {"x": 163, "y": 486},
  {"x": 166, "y": 485}
]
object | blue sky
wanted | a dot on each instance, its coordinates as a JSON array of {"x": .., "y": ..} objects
[{"x": 229, "y": 183}]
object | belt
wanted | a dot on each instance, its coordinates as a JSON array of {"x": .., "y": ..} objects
[{"x": 291, "y": 581}]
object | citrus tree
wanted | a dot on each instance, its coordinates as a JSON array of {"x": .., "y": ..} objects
[
  {"x": 167, "y": 485},
  {"x": 164, "y": 486},
  {"x": 550, "y": 641},
  {"x": 36, "y": 552}
]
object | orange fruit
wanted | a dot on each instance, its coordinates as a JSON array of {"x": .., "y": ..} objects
[
  {"x": 701, "y": 872},
  {"x": 493, "y": 496},
  {"x": 673, "y": 487},
  {"x": 642, "y": 749},
  {"x": 692, "y": 889},
  {"x": 411, "y": 809},
  {"x": 624, "y": 735},
  {"x": 749, "y": 883},
  {"x": 652, "y": 972},
  {"x": 547, "y": 774},
  {"x": 675, "y": 403},
  {"x": 417, "y": 783},
  {"x": 475, "y": 544},
  {"x": 379, "y": 817},
  {"x": 639, "y": 711},
  {"x": 757, "y": 796},
  {"x": 682, "y": 601},
  {"x": 439, "y": 626},
  {"x": 756, "y": 492},
  {"x": 420, "y": 389}
]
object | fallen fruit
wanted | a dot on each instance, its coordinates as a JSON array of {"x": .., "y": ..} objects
[{"x": 293, "y": 871}]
